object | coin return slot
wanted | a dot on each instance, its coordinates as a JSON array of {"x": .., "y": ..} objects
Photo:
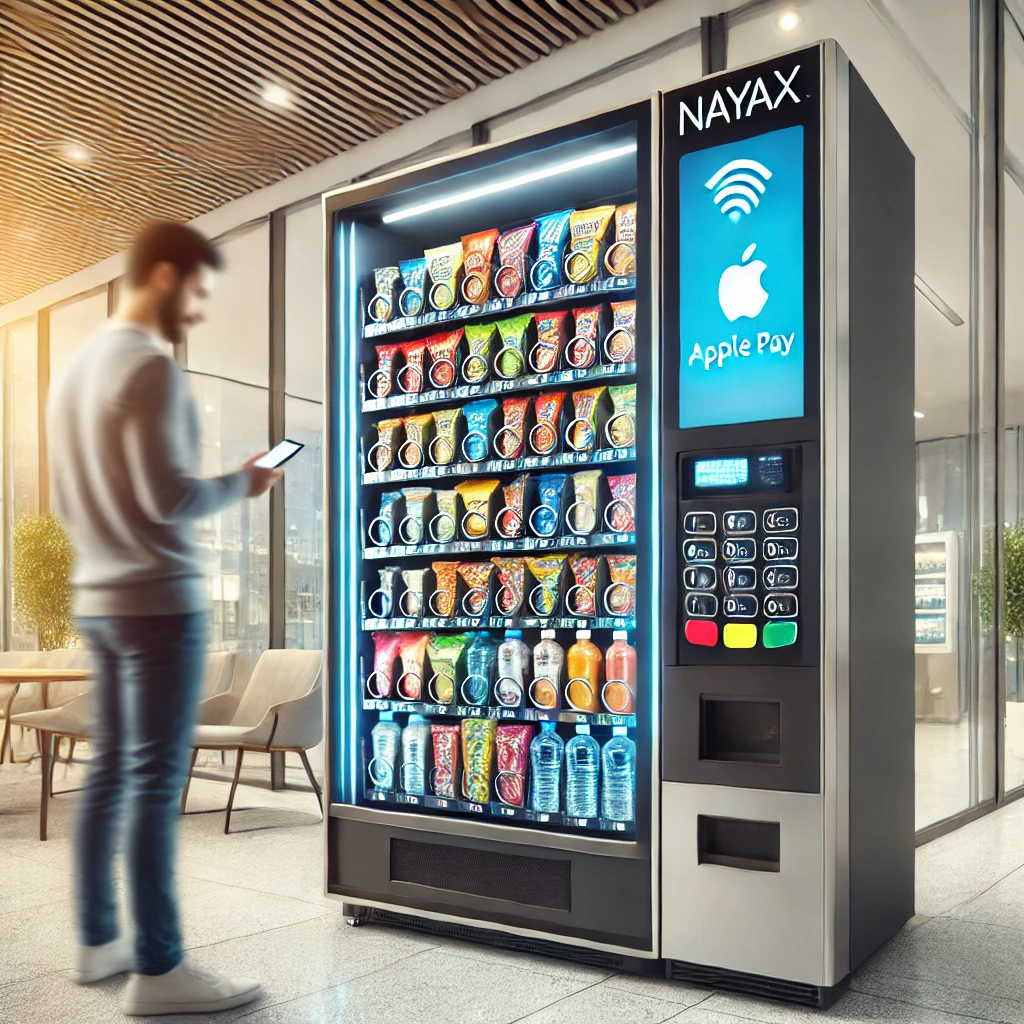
[
  {"x": 744, "y": 731},
  {"x": 738, "y": 843}
]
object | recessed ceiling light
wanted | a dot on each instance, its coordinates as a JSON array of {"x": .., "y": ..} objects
[
  {"x": 76, "y": 153},
  {"x": 918, "y": 415},
  {"x": 209, "y": 408},
  {"x": 277, "y": 95},
  {"x": 788, "y": 20}
]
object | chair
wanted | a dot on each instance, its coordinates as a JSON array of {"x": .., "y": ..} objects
[
  {"x": 10, "y": 702},
  {"x": 280, "y": 710}
]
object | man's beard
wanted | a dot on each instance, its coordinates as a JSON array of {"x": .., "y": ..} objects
[{"x": 172, "y": 326}]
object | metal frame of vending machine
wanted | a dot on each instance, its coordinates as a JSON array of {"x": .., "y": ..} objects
[
  {"x": 787, "y": 722},
  {"x": 491, "y": 869}
]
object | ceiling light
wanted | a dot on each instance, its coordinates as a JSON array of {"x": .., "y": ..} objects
[
  {"x": 76, "y": 153},
  {"x": 600, "y": 156},
  {"x": 918, "y": 415},
  {"x": 788, "y": 20},
  {"x": 209, "y": 408},
  {"x": 277, "y": 96}
]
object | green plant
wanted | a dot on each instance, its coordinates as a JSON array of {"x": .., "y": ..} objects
[
  {"x": 1013, "y": 583},
  {"x": 41, "y": 577}
]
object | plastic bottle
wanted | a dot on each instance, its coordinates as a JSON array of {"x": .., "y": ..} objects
[
  {"x": 546, "y": 754},
  {"x": 619, "y": 693},
  {"x": 415, "y": 744},
  {"x": 480, "y": 664},
  {"x": 584, "y": 667},
  {"x": 582, "y": 774},
  {"x": 548, "y": 659},
  {"x": 618, "y": 777},
  {"x": 385, "y": 736},
  {"x": 513, "y": 670}
]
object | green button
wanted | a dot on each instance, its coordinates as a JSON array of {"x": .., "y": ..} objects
[{"x": 778, "y": 634}]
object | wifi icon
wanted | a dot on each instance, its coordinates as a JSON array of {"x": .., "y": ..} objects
[{"x": 738, "y": 187}]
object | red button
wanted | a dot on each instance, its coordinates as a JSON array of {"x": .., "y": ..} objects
[{"x": 702, "y": 633}]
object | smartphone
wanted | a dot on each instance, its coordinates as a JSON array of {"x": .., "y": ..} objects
[{"x": 279, "y": 454}]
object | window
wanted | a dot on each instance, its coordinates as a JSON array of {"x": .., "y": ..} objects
[
  {"x": 304, "y": 527},
  {"x": 73, "y": 323},
  {"x": 234, "y": 419}
]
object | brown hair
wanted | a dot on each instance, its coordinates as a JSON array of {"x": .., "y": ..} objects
[{"x": 169, "y": 241}]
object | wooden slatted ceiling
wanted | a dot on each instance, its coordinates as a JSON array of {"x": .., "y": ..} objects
[{"x": 114, "y": 111}]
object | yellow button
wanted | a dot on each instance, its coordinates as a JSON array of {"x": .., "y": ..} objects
[{"x": 739, "y": 634}]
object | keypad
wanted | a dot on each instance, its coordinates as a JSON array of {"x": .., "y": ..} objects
[{"x": 741, "y": 566}]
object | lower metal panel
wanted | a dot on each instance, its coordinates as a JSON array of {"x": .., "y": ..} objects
[
  {"x": 768, "y": 923},
  {"x": 608, "y": 903}
]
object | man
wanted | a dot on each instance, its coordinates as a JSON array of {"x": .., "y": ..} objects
[{"x": 124, "y": 447}]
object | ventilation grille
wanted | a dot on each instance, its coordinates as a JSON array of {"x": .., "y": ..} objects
[
  {"x": 496, "y": 876},
  {"x": 747, "y": 984},
  {"x": 502, "y": 940}
]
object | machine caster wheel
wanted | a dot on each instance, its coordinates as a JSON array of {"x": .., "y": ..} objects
[{"x": 353, "y": 922}]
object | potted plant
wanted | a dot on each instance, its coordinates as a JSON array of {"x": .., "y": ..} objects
[{"x": 41, "y": 575}]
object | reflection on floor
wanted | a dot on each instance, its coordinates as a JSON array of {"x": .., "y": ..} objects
[
  {"x": 941, "y": 768},
  {"x": 252, "y": 904}
]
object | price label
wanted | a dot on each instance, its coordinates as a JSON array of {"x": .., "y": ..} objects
[
  {"x": 543, "y": 817},
  {"x": 442, "y": 804},
  {"x": 582, "y": 822},
  {"x": 506, "y": 811},
  {"x": 475, "y": 808}
]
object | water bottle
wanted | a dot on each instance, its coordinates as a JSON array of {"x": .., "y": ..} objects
[
  {"x": 513, "y": 670},
  {"x": 618, "y": 777},
  {"x": 546, "y": 753},
  {"x": 582, "y": 770},
  {"x": 386, "y": 736},
  {"x": 480, "y": 658},
  {"x": 548, "y": 659},
  {"x": 415, "y": 743}
]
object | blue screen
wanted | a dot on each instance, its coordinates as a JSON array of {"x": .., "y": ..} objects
[
  {"x": 741, "y": 281},
  {"x": 720, "y": 472}
]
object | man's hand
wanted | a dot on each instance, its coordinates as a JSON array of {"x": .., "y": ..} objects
[{"x": 260, "y": 480}]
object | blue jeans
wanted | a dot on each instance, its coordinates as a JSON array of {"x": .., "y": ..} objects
[{"x": 148, "y": 676}]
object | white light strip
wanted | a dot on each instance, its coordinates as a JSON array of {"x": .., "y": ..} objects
[
  {"x": 938, "y": 301},
  {"x": 504, "y": 185}
]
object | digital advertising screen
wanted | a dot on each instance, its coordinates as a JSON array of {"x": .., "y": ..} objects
[{"x": 741, "y": 280}]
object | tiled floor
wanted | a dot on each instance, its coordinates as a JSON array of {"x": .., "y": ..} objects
[{"x": 252, "y": 904}]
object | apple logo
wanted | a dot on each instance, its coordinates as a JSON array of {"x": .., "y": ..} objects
[{"x": 739, "y": 289}]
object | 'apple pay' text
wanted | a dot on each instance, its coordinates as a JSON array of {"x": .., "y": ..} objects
[{"x": 767, "y": 344}]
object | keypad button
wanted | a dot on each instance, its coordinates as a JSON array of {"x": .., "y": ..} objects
[
  {"x": 739, "y": 523},
  {"x": 740, "y": 606},
  {"x": 700, "y": 523},
  {"x": 741, "y": 549},
  {"x": 780, "y": 520},
  {"x": 740, "y": 577},
  {"x": 701, "y": 634},
  {"x": 701, "y": 606},
  {"x": 700, "y": 577},
  {"x": 776, "y": 548},
  {"x": 780, "y": 577},
  {"x": 781, "y": 606},
  {"x": 739, "y": 635},
  {"x": 779, "y": 634},
  {"x": 699, "y": 550}
]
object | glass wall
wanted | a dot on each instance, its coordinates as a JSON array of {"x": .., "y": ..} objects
[
  {"x": 916, "y": 58},
  {"x": 72, "y": 323},
  {"x": 1013, "y": 369}
]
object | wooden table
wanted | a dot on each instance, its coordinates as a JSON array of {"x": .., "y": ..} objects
[{"x": 42, "y": 677}]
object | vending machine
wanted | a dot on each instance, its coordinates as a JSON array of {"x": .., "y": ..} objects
[
  {"x": 787, "y": 830},
  {"x": 493, "y": 538},
  {"x": 620, "y": 512}
]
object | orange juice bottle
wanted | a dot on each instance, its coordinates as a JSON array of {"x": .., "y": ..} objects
[
  {"x": 583, "y": 664},
  {"x": 619, "y": 693}
]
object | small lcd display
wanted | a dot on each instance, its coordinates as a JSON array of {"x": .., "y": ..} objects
[{"x": 720, "y": 473}]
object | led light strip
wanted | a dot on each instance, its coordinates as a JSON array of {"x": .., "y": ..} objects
[{"x": 455, "y": 198}]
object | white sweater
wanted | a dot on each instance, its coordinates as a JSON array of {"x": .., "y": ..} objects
[{"x": 124, "y": 446}]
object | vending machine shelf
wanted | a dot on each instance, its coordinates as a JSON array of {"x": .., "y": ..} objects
[
  {"x": 490, "y": 466},
  {"x": 499, "y": 622},
  {"x": 494, "y": 809},
  {"x": 469, "y": 547},
  {"x": 499, "y": 387},
  {"x": 525, "y": 302},
  {"x": 567, "y": 717}
]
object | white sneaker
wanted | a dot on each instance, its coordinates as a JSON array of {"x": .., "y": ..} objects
[
  {"x": 94, "y": 963},
  {"x": 186, "y": 989}
]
